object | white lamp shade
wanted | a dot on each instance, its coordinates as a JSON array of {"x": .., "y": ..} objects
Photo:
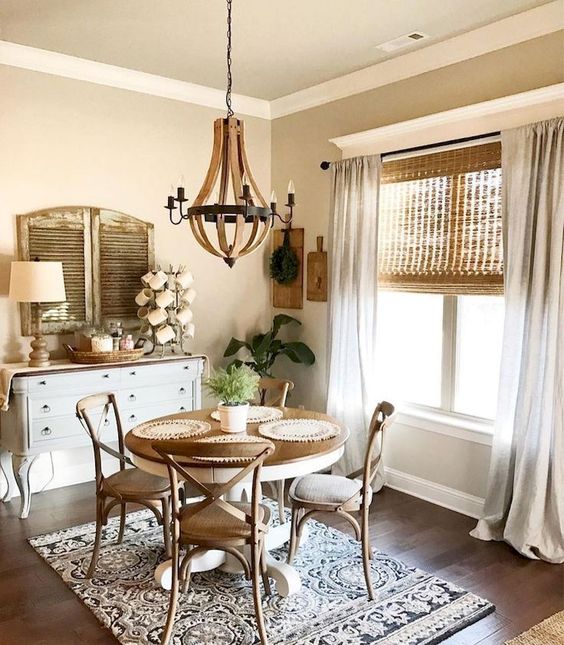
[{"x": 37, "y": 282}]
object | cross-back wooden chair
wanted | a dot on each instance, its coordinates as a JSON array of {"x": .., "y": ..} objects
[
  {"x": 274, "y": 392},
  {"x": 214, "y": 522},
  {"x": 128, "y": 485},
  {"x": 318, "y": 493}
]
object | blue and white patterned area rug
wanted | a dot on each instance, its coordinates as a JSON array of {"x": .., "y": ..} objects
[{"x": 411, "y": 607}]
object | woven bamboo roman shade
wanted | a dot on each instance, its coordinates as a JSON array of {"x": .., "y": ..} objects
[{"x": 440, "y": 222}]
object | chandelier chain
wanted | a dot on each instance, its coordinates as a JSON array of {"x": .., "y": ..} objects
[{"x": 229, "y": 75}]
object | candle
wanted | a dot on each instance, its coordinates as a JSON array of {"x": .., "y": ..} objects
[
  {"x": 170, "y": 204},
  {"x": 246, "y": 188},
  {"x": 291, "y": 193}
]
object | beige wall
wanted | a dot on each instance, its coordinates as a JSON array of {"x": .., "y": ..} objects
[
  {"x": 65, "y": 142},
  {"x": 301, "y": 141},
  {"x": 69, "y": 142}
]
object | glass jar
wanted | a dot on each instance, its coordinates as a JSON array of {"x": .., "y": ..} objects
[{"x": 102, "y": 343}]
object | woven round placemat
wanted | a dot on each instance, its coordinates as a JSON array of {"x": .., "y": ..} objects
[
  {"x": 227, "y": 439},
  {"x": 299, "y": 430},
  {"x": 171, "y": 429},
  {"x": 257, "y": 414}
]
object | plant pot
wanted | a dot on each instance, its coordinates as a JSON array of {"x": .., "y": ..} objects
[{"x": 233, "y": 418}]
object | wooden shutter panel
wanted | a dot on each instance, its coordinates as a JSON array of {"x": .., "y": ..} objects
[
  {"x": 122, "y": 251},
  {"x": 440, "y": 228},
  {"x": 63, "y": 235}
]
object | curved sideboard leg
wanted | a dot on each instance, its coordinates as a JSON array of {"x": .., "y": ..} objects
[
  {"x": 21, "y": 467},
  {"x": 5, "y": 467}
]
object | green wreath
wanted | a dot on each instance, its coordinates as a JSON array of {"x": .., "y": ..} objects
[{"x": 284, "y": 263}]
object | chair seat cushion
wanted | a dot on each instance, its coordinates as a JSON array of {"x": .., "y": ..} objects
[
  {"x": 327, "y": 489},
  {"x": 215, "y": 523},
  {"x": 135, "y": 482}
]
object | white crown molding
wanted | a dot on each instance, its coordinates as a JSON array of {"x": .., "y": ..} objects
[
  {"x": 455, "y": 500},
  {"x": 81, "y": 69},
  {"x": 523, "y": 26},
  {"x": 503, "y": 113}
]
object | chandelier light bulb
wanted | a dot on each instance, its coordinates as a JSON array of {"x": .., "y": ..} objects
[
  {"x": 273, "y": 198},
  {"x": 291, "y": 188}
]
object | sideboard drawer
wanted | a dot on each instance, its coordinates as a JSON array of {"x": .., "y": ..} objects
[
  {"x": 96, "y": 380},
  {"x": 131, "y": 418},
  {"x": 51, "y": 405},
  {"x": 56, "y": 428},
  {"x": 142, "y": 396},
  {"x": 143, "y": 375}
]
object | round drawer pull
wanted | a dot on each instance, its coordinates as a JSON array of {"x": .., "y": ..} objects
[
  {"x": 182, "y": 408},
  {"x": 42, "y": 382},
  {"x": 105, "y": 376},
  {"x": 46, "y": 431},
  {"x": 133, "y": 418},
  {"x": 134, "y": 373},
  {"x": 132, "y": 397},
  {"x": 106, "y": 422},
  {"x": 45, "y": 408},
  {"x": 182, "y": 390}
]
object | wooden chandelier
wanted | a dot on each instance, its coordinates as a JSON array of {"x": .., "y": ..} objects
[{"x": 248, "y": 215}]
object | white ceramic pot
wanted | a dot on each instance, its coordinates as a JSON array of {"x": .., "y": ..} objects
[{"x": 233, "y": 418}]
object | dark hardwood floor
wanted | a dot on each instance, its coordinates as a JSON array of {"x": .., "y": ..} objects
[{"x": 37, "y": 608}]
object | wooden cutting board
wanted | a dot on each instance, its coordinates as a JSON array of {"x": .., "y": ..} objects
[
  {"x": 317, "y": 273},
  {"x": 290, "y": 296}
]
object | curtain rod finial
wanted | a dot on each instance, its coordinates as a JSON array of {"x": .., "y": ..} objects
[{"x": 325, "y": 165}]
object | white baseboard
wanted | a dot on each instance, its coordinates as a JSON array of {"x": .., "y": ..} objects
[{"x": 450, "y": 498}]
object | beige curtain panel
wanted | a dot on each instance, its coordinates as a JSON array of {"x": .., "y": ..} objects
[
  {"x": 440, "y": 222},
  {"x": 353, "y": 238},
  {"x": 525, "y": 500}
]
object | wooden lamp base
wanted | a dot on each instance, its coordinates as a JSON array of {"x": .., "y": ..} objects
[{"x": 39, "y": 356}]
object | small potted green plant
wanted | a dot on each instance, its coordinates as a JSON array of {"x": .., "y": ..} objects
[{"x": 234, "y": 388}]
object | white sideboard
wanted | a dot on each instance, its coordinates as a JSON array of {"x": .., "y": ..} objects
[{"x": 42, "y": 417}]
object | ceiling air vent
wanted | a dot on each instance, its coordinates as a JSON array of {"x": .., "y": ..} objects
[{"x": 403, "y": 41}]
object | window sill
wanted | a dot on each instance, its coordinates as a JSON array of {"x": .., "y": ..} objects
[{"x": 452, "y": 425}]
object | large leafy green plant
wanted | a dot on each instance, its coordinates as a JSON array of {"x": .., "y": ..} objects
[
  {"x": 233, "y": 386},
  {"x": 265, "y": 348}
]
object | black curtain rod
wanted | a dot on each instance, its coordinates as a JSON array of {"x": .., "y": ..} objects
[{"x": 325, "y": 165}]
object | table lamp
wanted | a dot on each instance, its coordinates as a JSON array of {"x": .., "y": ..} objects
[{"x": 37, "y": 282}]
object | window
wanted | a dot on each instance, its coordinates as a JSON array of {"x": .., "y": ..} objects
[{"x": 441, "y": 307}]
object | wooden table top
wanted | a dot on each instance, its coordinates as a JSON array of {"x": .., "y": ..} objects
[{"x": 285, "y": 451}]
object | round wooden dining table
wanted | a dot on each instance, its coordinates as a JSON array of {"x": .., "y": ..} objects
[{"x": 289, "y": 460}]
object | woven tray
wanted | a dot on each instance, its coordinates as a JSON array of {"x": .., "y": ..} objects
[
  {"x": 98, "y": 358},
  {"x": 299, "y": 430},
  {"x": 171, "y": 429},
  {"x": 257, "y": 414}
]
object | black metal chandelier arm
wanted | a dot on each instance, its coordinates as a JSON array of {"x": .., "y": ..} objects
[
  {"x": 230, "y": 112},
  {"x": 182, "y": 216},
  {"x": 282, "y": 219}
]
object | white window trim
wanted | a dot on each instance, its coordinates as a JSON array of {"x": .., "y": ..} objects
[
  {"x": 471, "y": 120},
  {"x": 446, "y": 423}
]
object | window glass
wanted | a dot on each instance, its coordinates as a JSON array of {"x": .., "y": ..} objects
[
  {"x": 479, "y": 341},
  {"x": 409, "y": 342}
]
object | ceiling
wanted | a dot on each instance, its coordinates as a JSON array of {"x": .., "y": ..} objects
[{"x": 279, "y": 46}]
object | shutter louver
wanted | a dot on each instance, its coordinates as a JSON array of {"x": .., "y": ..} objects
[
  {"x": 440, "y": 222},
  {"x": 123, "y": 252},
  {"x": 61, "y": 235}
]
